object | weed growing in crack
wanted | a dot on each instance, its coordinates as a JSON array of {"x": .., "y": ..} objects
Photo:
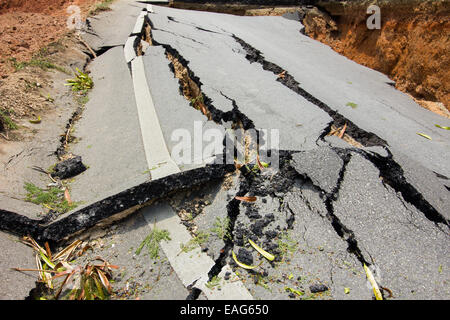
[
  {"x": 261, "y": 281},
  {"x": 152, "y": 242},
  {"x": 82, "y": 100},
  {"x": 222, "y": 228},
  {"x": 198, "y": 99},
  {"x": 286, "y": 244},
  {"x": 200, "y": 239},
  {"x": 214, "y": 282},
  {"x": 52, "y": 198},
  {"x": 81, "y": 83}
]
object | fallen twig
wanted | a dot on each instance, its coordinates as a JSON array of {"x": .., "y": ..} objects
[{"x": 87, "y": 46}]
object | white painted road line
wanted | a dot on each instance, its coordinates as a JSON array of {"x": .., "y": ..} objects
[
  {"x": 139, "y": 23},
  {"x": 129, "y": 51},
  {"x": 158, "y": 157},
  {"x": 192, "y": 267}
]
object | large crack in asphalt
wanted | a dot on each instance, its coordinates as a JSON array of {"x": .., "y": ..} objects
[
  {"x": 100, "y": 211},
  {"x": 251, "y": 183},
  {"x": 329, "y": 197},
  {"x": 392, "y": 174},
  {"x": 367, "y": 139},
  {"x": 390, "y": 170}
]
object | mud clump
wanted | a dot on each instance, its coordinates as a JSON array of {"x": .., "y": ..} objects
[
  {"x": 411, "y": 47},
  {"x": 245, "y": 256}
]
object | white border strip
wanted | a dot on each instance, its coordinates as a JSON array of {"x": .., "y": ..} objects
[
  {"x": 192, "y": 267},
  {"x": 158, "y": 157}
]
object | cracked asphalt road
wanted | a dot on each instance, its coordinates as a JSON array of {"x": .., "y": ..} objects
[
  {"x": 342, "y": 207},
  {"x": 331, "y": 207}
]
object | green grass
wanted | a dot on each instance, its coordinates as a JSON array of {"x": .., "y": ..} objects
[
  {"x": 37, "y": 62},
  {"x": 103, "y": 6},
  {"x": 352, "y": 105},
  {"x": 286, "y": 244},
  {"x": 200, "y": 239},
  {"x": 81, "y": 83},
  {"x": 152, "y": 242},
  {"x": 82, "y": 100},
  {"x": 52, "y": 198},
  {"x": 6, "y": 120},
  {"x": 222, "y": 228},
  {"x": 214, "y": 282}
]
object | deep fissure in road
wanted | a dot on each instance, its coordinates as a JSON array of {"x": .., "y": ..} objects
[
  {"x": 387, "y": 166},
  {"x": 367, "y": 139}
]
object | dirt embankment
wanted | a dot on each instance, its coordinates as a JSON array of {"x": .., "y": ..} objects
[
  {"x": 411, "y": 47},
  {"x": 27, "y": 26}
]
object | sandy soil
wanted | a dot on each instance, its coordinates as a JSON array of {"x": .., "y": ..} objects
[
  {"x": 27, "y": 26},
  {"x": 411, "y": 47}
]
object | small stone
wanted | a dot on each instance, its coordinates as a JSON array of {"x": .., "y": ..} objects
[{"x": 318, "y": 288}]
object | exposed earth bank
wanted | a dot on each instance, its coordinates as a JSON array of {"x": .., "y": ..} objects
[
  {"x": 411, "y": 47},
  {"x": 27, "y": 26}
]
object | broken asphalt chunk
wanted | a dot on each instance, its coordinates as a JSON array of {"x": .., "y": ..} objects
[
  {"x": 315, "y": 288},
  {"x": 68, "y": 168}
]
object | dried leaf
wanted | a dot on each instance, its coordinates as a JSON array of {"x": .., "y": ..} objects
[
  {"x": 343, "y": 131},
  {"x": 242, "y": 265},
  {"x": 445, "y": 128},
  {"x": 424, "y": 135},
  {"x": 297, "y": 292},
  {"x": 388, "y": 291},
  {"x": 35, "y": 121},
  {"x": 47, "y": 249},
  {"x": 376, "y": 289},
  {"x": 104, "y": 280},
  {"x": 67, "y": 196},
  {"x": 246, "y": 199},
  {"x": 266, "y": 255},
  {"x": 282, "y": 74},
  {"x": 66, "y": 253}
]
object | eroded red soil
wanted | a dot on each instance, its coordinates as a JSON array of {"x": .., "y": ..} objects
[
  {"x": 27, "y": 26},
  {"x": 412, "y": 47}
]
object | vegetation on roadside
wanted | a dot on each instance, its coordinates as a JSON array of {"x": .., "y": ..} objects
[
  {"x": 152, "y": 242},
  {"x": 352, "y": 105},
  {"x": 89, "y": 282},
  {"x": 81, "y": 83},
  {"x": 44, "y": 64},
  {"x": 6, "y": 122},
  {"x": 52, "y": 198},
  {"x": 102, "y": 6},
  {"x": 286, "y": 244},
  {"x": 222, "y": 228},
  {"x": 214, "y": 282},
  {"x": 200, "y": 239}
]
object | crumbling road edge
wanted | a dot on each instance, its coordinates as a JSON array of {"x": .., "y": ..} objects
[{"x": 140, "y": 195}]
